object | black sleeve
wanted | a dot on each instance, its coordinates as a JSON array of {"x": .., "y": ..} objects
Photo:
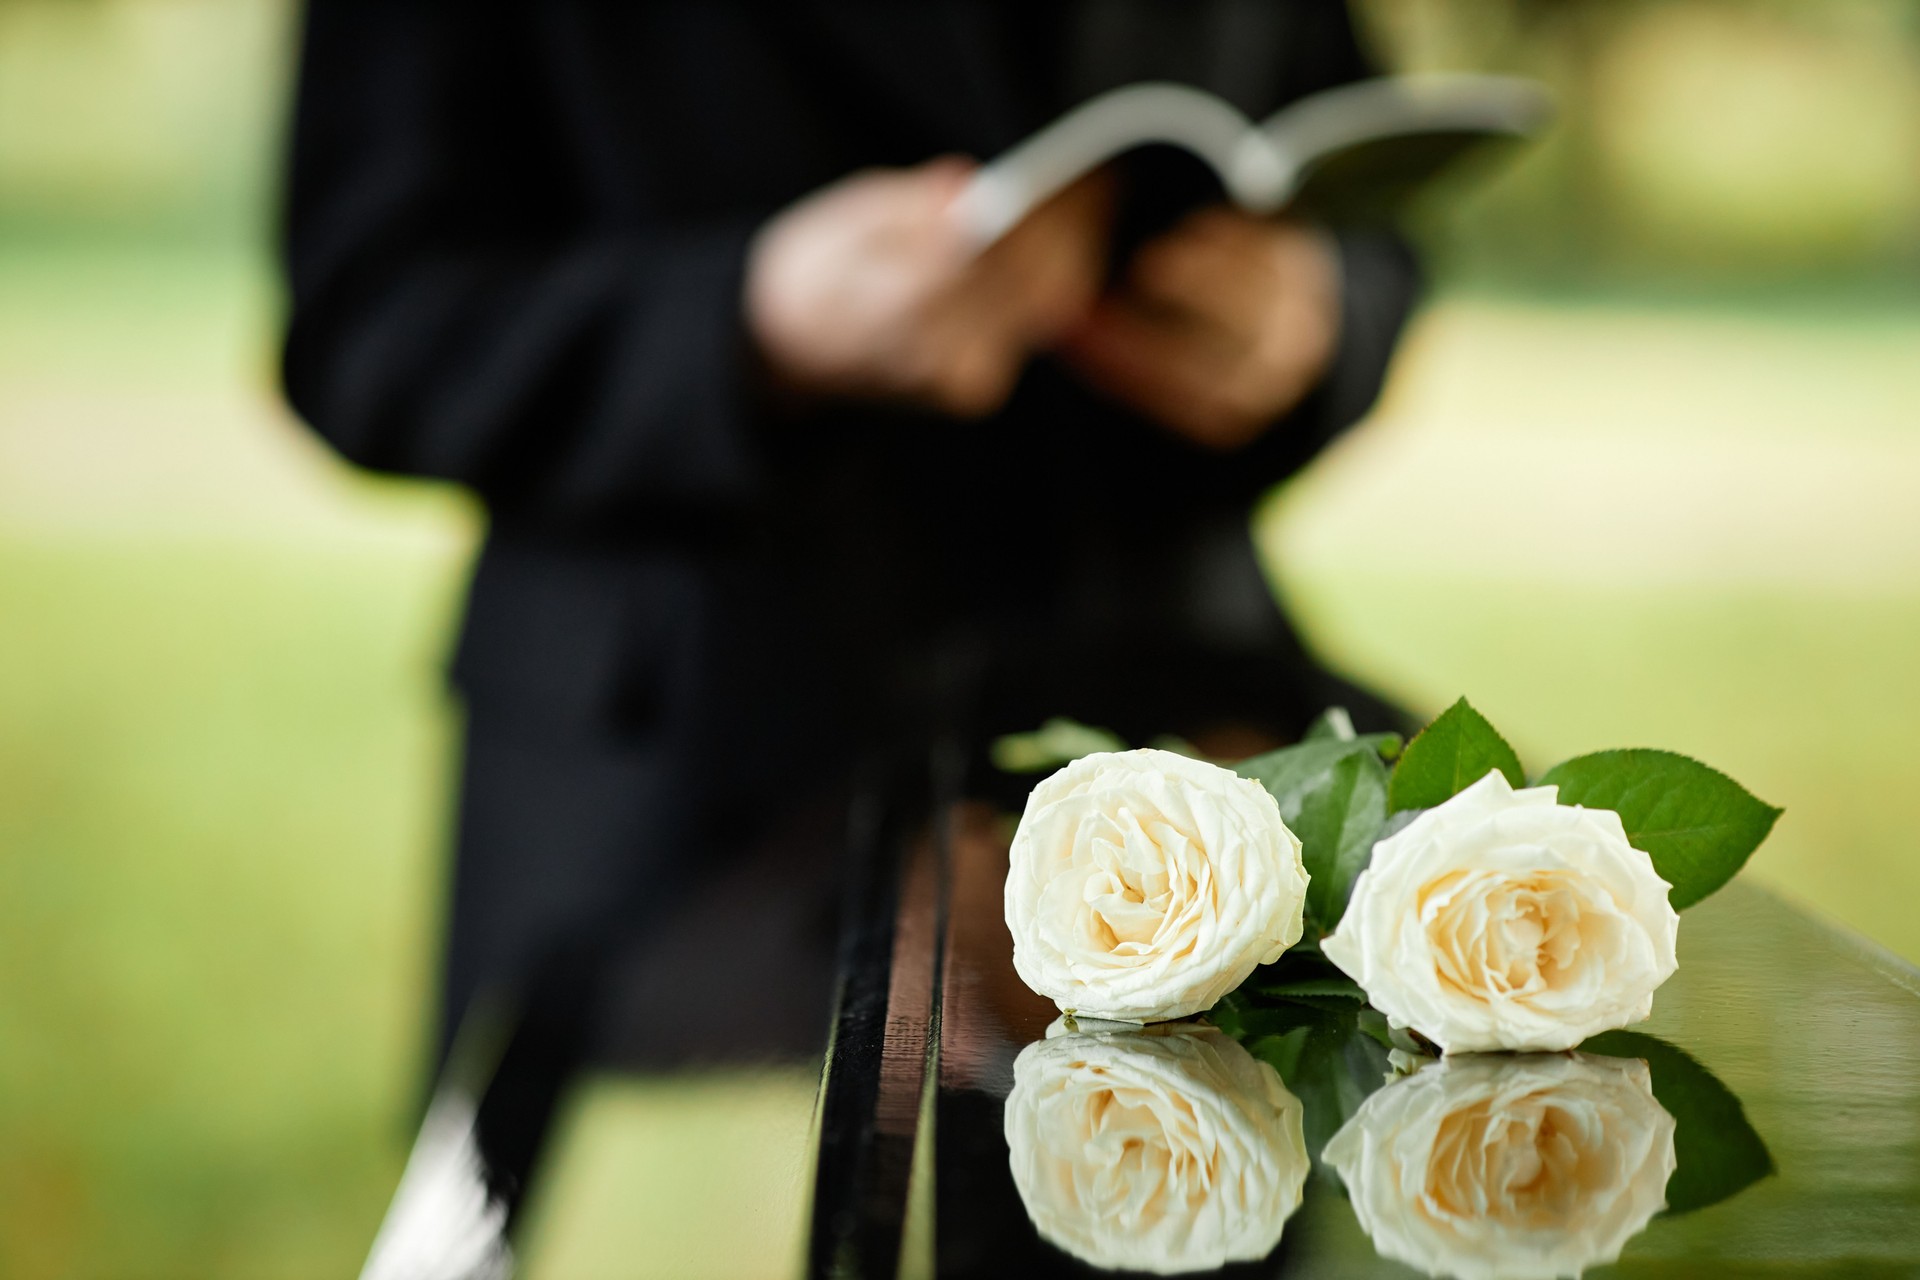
[{"x": 457, "y": 311}]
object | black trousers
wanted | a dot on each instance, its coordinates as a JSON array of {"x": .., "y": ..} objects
[
  {"x": 559, "y": 843},
  {"x": 589, "y": 872}
]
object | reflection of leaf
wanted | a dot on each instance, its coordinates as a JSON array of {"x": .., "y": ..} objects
[
  {"x": 1698, "y": 825},
  {"x": 1318, "y": 1048},
  {"x": 1281, "y": 1052},
  {"x": 1716, "y": 1149},
  {"x": 1247, "y": 1019},
  {"x": 1457, "y": 750}
]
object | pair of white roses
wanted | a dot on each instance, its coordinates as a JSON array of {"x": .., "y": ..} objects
[{"x": 1145, "y": 885}]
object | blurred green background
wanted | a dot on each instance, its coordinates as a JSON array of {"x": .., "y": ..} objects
[{"x": 1646, "y": 473}]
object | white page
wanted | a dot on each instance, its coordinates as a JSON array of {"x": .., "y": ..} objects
[{"x": 1260, "y": 166}]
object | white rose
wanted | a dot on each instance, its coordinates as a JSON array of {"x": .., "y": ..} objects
[
  {"x": 1502, "y": 920},
  {"x": 1166, "y": 1150},
  {"x": 1520, "y": 1168},
  {"x": 1145, "y": 885}
]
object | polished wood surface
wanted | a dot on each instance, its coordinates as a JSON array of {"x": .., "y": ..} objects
[{"x": 1816, "y": 1033}]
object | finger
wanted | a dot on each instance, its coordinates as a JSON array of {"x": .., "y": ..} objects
[
  {"x": 1046, "y": 273},
  {"x": 1168, "y": 374},
  {"x": 919, "y": 202},
  {"x": 941, "y": 180},
  {"x": 1027, "y": 311},
  {"x": 1078, "y": 212},
  {"x": 1054, "y": 294},
  {"x": 1020, "y": 294},
  {"x": 1068, "y": 267},
  {"x": 1227, "y": 285},
  {"x": 978, "y": 377},
  {"x": 1226, "y": 225},
  {"x": 1296, "y": 253}
]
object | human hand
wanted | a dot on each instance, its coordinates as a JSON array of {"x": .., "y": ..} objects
[
  {"x": 869, "y": 288},
  {"x": 1227, "y": 321}
]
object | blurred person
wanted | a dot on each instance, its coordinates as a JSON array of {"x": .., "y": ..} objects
[{"x": 768, "y": 454}]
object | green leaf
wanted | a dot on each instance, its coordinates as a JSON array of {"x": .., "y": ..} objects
[
  {"x": 1372, "y": 1022},
  {"x": 1717, "y": 1152},
  {"x": 1337, "y": 824},
  {"x": 1698, "y": 825},
  {"x": 1312, "y": 988},
  {"x": 1329, "y": 1062},
  {"x": 1448, "y": 756},
  {"x": 1302, "y": 971},
  {"x": 1291, "y": 769},
  {"x": 1281, "y": 1052},
  {"x": 1059, "y": 741},
  {"x": 1248, "y": 1018},
  {"x": 1333, "y": 794}
]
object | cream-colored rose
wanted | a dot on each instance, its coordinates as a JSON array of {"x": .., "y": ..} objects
[
  {"x": 1502, "y": 920},
  {"x": 1166, "y": 1150},
  {"x": 1510, "y": 1167},
  {"x": 1145, "y": 885}
]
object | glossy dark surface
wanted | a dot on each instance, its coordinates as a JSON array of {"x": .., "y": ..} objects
[{"x": 1816, "y": 1035}]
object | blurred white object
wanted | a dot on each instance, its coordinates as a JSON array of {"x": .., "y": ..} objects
[
  {"x": 444, "y": 1223},
  {"x": 1262, "y": 165}
]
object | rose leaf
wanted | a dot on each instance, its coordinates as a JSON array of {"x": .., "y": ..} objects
[
  {"x": 1281, "y": 1052},
  {"x": 1448, "y": 756},
  {"x": 1337, "y": 824},
  {"x": 1323, "y": 1052},
  {"x": 1290, "y": 771},
  {"x": 1338, "y": 987},
  {"x": 1716, "y": 1150},
  {"x": 1698, "y": 825},
  {"x": 1333, "y": 795}
]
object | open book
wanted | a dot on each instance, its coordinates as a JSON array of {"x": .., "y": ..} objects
[{"x": 1355, "y": 149}]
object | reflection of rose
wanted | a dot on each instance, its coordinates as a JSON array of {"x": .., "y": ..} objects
[
  {"x": 1154, "y": 1151},
  {"x": 1513, "y": 1167},
  {"x": 1502, "y": 920},
  {"x": 1144, "y": 885}
]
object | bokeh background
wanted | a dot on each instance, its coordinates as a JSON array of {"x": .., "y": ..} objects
[{"x": 1648, "y": 472}]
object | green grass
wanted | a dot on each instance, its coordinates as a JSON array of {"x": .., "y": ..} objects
[
  {"x": 699, "y": 1178},
  {"x": 222, "y": 774}
]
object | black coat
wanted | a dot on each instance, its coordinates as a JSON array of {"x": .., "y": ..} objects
[{"x": 515, "y": 239}]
